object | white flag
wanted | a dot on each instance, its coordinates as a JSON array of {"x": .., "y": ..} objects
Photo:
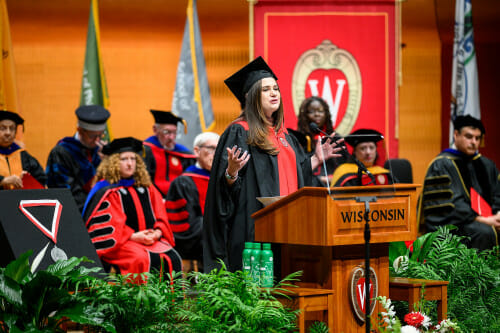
[
  {"x": 192, "y": 94},
  {"x": 464, "y": 81}
]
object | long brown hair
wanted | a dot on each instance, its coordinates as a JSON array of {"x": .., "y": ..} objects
[
  {"x": 109, "y": 169},
  {"x": 258, "y": 124}
]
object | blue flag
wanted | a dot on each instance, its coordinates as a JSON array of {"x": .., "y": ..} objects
[{"x": 192, "y": 94}]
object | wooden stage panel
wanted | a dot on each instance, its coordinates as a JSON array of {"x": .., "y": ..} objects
[{"x": 317, "y": 238}]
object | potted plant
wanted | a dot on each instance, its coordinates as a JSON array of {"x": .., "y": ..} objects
[
  {"x": 45, "y": 300},
  {"x": 474, "y": 277}
]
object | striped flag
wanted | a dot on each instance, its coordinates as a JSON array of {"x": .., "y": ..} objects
[
  {"x": 192, "y": 94},
  {"x": 8, "y": 87},
  {"x": 94, "y": 90},
  {"x": 464, "y": 81}
]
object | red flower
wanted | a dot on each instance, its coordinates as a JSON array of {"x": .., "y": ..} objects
[{"x": 414, "y": 319}]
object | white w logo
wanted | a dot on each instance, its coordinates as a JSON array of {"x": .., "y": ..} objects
[{"x": 362, "y": 294}]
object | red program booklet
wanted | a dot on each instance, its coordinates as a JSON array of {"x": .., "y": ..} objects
[{"x": 30, "y": 183}]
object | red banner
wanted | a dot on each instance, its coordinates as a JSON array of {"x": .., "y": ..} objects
[{"x": 343, "y": 51}]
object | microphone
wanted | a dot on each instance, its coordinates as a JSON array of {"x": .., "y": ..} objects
[{"x": 315, "y": 129}]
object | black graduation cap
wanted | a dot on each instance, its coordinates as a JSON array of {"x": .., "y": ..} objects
[
  {"x": 165, "y": 117},
  {"x": 11, "y": 116},
  {"x": 168, "y": 117},
  {"x": 240, "y": 82},
  {"x": 363, "y": 135},
  {"x": 121, "y": 145},
  {"x": 463, "y": 121},
  {"x": 92, "y": 117}
]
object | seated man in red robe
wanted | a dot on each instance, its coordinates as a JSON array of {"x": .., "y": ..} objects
[{"x": 165, "y": 159}]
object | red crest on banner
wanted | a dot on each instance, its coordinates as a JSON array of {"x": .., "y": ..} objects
[
  {"x": 343, "y": 51},
  {"x": 333, "y": 74}
]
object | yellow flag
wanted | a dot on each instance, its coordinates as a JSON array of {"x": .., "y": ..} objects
[{"x": 8, "y": 92}]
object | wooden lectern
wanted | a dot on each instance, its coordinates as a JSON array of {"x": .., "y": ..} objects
[{"x": 322, "y": 235}]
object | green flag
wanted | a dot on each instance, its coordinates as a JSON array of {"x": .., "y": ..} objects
[{"x": 94, "y": 89}]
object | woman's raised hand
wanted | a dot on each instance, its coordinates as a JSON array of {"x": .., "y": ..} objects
[
  {"x": 326, "y": 150},
  {"x": 236, "y": 159}
]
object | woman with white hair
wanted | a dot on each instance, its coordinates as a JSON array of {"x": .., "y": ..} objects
[{"x": 186, "y": 199}]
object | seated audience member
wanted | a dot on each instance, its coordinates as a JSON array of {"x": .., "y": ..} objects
[
  {"x": 125, "y": 214},
  {"x": 462, "y": 188},
  {"x": 15, "y": 162},
  {"x": 72, "y": 163},
  {"x": 186, "y": 199},
  {"x": 165, "y": 159},
  {"x": 364, "y": 144},
  {"x": 315, "y": 110}
]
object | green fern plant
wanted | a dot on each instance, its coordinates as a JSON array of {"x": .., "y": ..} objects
[
  {"x": 474, "y": 278},
  {"x": 138, "y": 307},
  {"x": 232, "y": 302},
  {"x": 318, "y": 327}
]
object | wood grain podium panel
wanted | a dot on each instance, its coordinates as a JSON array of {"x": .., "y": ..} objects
[
  {"x": 323, "y": 235},
  {"x": 311, "y": 216}
]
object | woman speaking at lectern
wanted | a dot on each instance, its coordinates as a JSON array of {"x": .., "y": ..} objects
[{"x": 255, "y": 157}]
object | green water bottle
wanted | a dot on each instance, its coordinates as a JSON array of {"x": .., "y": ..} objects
[
  {"x": 266, "y": 266},
  {"x": 246, "y": 257},
  {"x": 255, "y": 263}
]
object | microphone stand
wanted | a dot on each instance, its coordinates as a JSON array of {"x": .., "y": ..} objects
[
  {"x": 361, "y": 169},
  {"x": 346, "y": 154},
  {"x": 367, "y": 235}
]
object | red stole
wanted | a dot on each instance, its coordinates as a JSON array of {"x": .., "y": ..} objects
[{"x": 287, "y": 162}]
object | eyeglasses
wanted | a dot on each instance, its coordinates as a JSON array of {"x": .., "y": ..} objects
[
  {"x": 167, "y": 132},
  {"x": 210, "y": 149},
  {"x": 93, "y": 135}
]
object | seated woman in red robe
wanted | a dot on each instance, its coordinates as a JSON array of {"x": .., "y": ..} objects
[
  {"x": 125, "y": 214},
  {"x": 364, "y": 144}
]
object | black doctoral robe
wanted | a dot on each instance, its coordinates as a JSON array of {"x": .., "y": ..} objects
[
  {"x": 446, "y": 196},
  {"x": 227, "y": 223},
  {"x": 185, "y": 205}
]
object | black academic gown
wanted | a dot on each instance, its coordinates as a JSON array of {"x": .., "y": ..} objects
[
  {"x": 446, "y": 195},
  {"x": 185, "y": 205},
  {"x": 227, "y": 223},
  {"x": 71, "y": 165}
]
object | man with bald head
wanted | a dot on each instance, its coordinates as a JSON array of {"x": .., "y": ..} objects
[{"x": 186, "y": 199}]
